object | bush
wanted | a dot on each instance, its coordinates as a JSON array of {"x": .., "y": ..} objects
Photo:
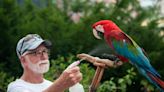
[
  {"x": 17, "y": 20},
  {"x": 5, "y": 79}
]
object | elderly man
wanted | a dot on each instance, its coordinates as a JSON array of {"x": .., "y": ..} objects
[{"x": 33, "y": 52}]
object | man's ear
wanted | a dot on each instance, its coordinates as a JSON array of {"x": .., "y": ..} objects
[{"x": 23, "y": 61}]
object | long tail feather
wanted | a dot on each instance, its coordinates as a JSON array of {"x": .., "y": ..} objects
[
  {"x": 154, "y": 79},
  {"x": 157, "y": 81}
]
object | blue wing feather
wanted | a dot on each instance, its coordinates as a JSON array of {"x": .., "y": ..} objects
[{"x": 138, "y": 58}]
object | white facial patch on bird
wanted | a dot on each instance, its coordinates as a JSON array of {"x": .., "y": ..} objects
[
  {"x": 100, "y": 28},
  {"x": 96, "y": 34}
]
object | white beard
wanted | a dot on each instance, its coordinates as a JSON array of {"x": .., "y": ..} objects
[{"x": 41, "y": 67}]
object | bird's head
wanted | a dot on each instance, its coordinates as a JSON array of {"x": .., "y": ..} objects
[{"x": 98, "y": 28}]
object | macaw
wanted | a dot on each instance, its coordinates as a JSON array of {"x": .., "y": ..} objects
[{"x": 126, "y": 49}]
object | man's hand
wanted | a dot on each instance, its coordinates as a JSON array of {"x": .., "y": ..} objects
[
  {"x": 68, "y": 78},
  {"x": 71, "y": 75}
]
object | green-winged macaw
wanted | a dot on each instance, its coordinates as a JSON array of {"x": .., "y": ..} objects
[{"x": 126, "y": 49}]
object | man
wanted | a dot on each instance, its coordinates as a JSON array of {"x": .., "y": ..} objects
[{"x": 32, "y": 51}]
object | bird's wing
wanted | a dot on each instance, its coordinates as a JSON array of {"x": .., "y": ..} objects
[{"x": 124, "y": 45}]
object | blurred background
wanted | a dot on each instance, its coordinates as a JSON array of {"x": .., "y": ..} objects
[{"x": 67, "y": 24}]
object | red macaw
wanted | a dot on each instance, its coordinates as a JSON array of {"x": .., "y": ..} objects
[{"x": 126, "y": 49}]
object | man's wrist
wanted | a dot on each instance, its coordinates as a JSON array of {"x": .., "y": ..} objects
[
  {"x": 55, "y": 87},
  {"x": 59, "y": 84}
]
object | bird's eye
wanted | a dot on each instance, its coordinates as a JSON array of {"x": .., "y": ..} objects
[{"x": 99, "y": 26}]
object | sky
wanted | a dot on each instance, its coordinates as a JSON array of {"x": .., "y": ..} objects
[{"x": 145, "y": 3}]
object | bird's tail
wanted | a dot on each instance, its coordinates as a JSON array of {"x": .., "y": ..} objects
[{"x": 156, "y": 81}]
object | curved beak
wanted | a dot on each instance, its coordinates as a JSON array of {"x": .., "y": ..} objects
[{"x": 95, "y": 33}]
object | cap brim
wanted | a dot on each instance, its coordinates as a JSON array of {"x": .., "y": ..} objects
[{"x": 47, "y": 44}]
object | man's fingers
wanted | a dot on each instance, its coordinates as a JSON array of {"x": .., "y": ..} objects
[
  {"x": 77, "y": 78},
  {"x": 74, "y": 75},
  {"x": 72, "y": 70},
  {"x": 73, "y": 64},
  {"x": 75, "y": 69}
]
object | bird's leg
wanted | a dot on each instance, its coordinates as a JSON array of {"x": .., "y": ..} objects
[
  {"x": 117, "y": 62},
  {"x": 115, "y": 59}
]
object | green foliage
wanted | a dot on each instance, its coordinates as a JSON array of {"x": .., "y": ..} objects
[
  {"x": 53, "y": 23},
  {"x": 4, "y": 81},
  {"x": 120, "y": 84},
  {"x": 147, "y": 86},
  {"x": 86, "y": 70}
]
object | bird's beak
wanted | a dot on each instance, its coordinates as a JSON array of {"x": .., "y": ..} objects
[{"x": 95, "y": 33}]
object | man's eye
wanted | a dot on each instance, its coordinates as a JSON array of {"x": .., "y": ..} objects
[{"x": 45, "y": 51}]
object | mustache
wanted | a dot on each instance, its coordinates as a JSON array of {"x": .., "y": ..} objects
[{"x": 43, "y": 62}]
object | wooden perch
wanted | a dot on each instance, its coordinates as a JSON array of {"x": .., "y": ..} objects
[
  {"x": 96, "y": 79},
  {"x": 101, "y": 64},
  {"x": 97, "y": 61}
]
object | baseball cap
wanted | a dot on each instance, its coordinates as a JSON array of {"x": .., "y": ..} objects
[{"x": 30, "y": 42}]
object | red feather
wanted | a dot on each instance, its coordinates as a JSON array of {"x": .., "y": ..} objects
[
  {"x": 122, "y": 58},
  {"x": 157, "y": 80}
]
